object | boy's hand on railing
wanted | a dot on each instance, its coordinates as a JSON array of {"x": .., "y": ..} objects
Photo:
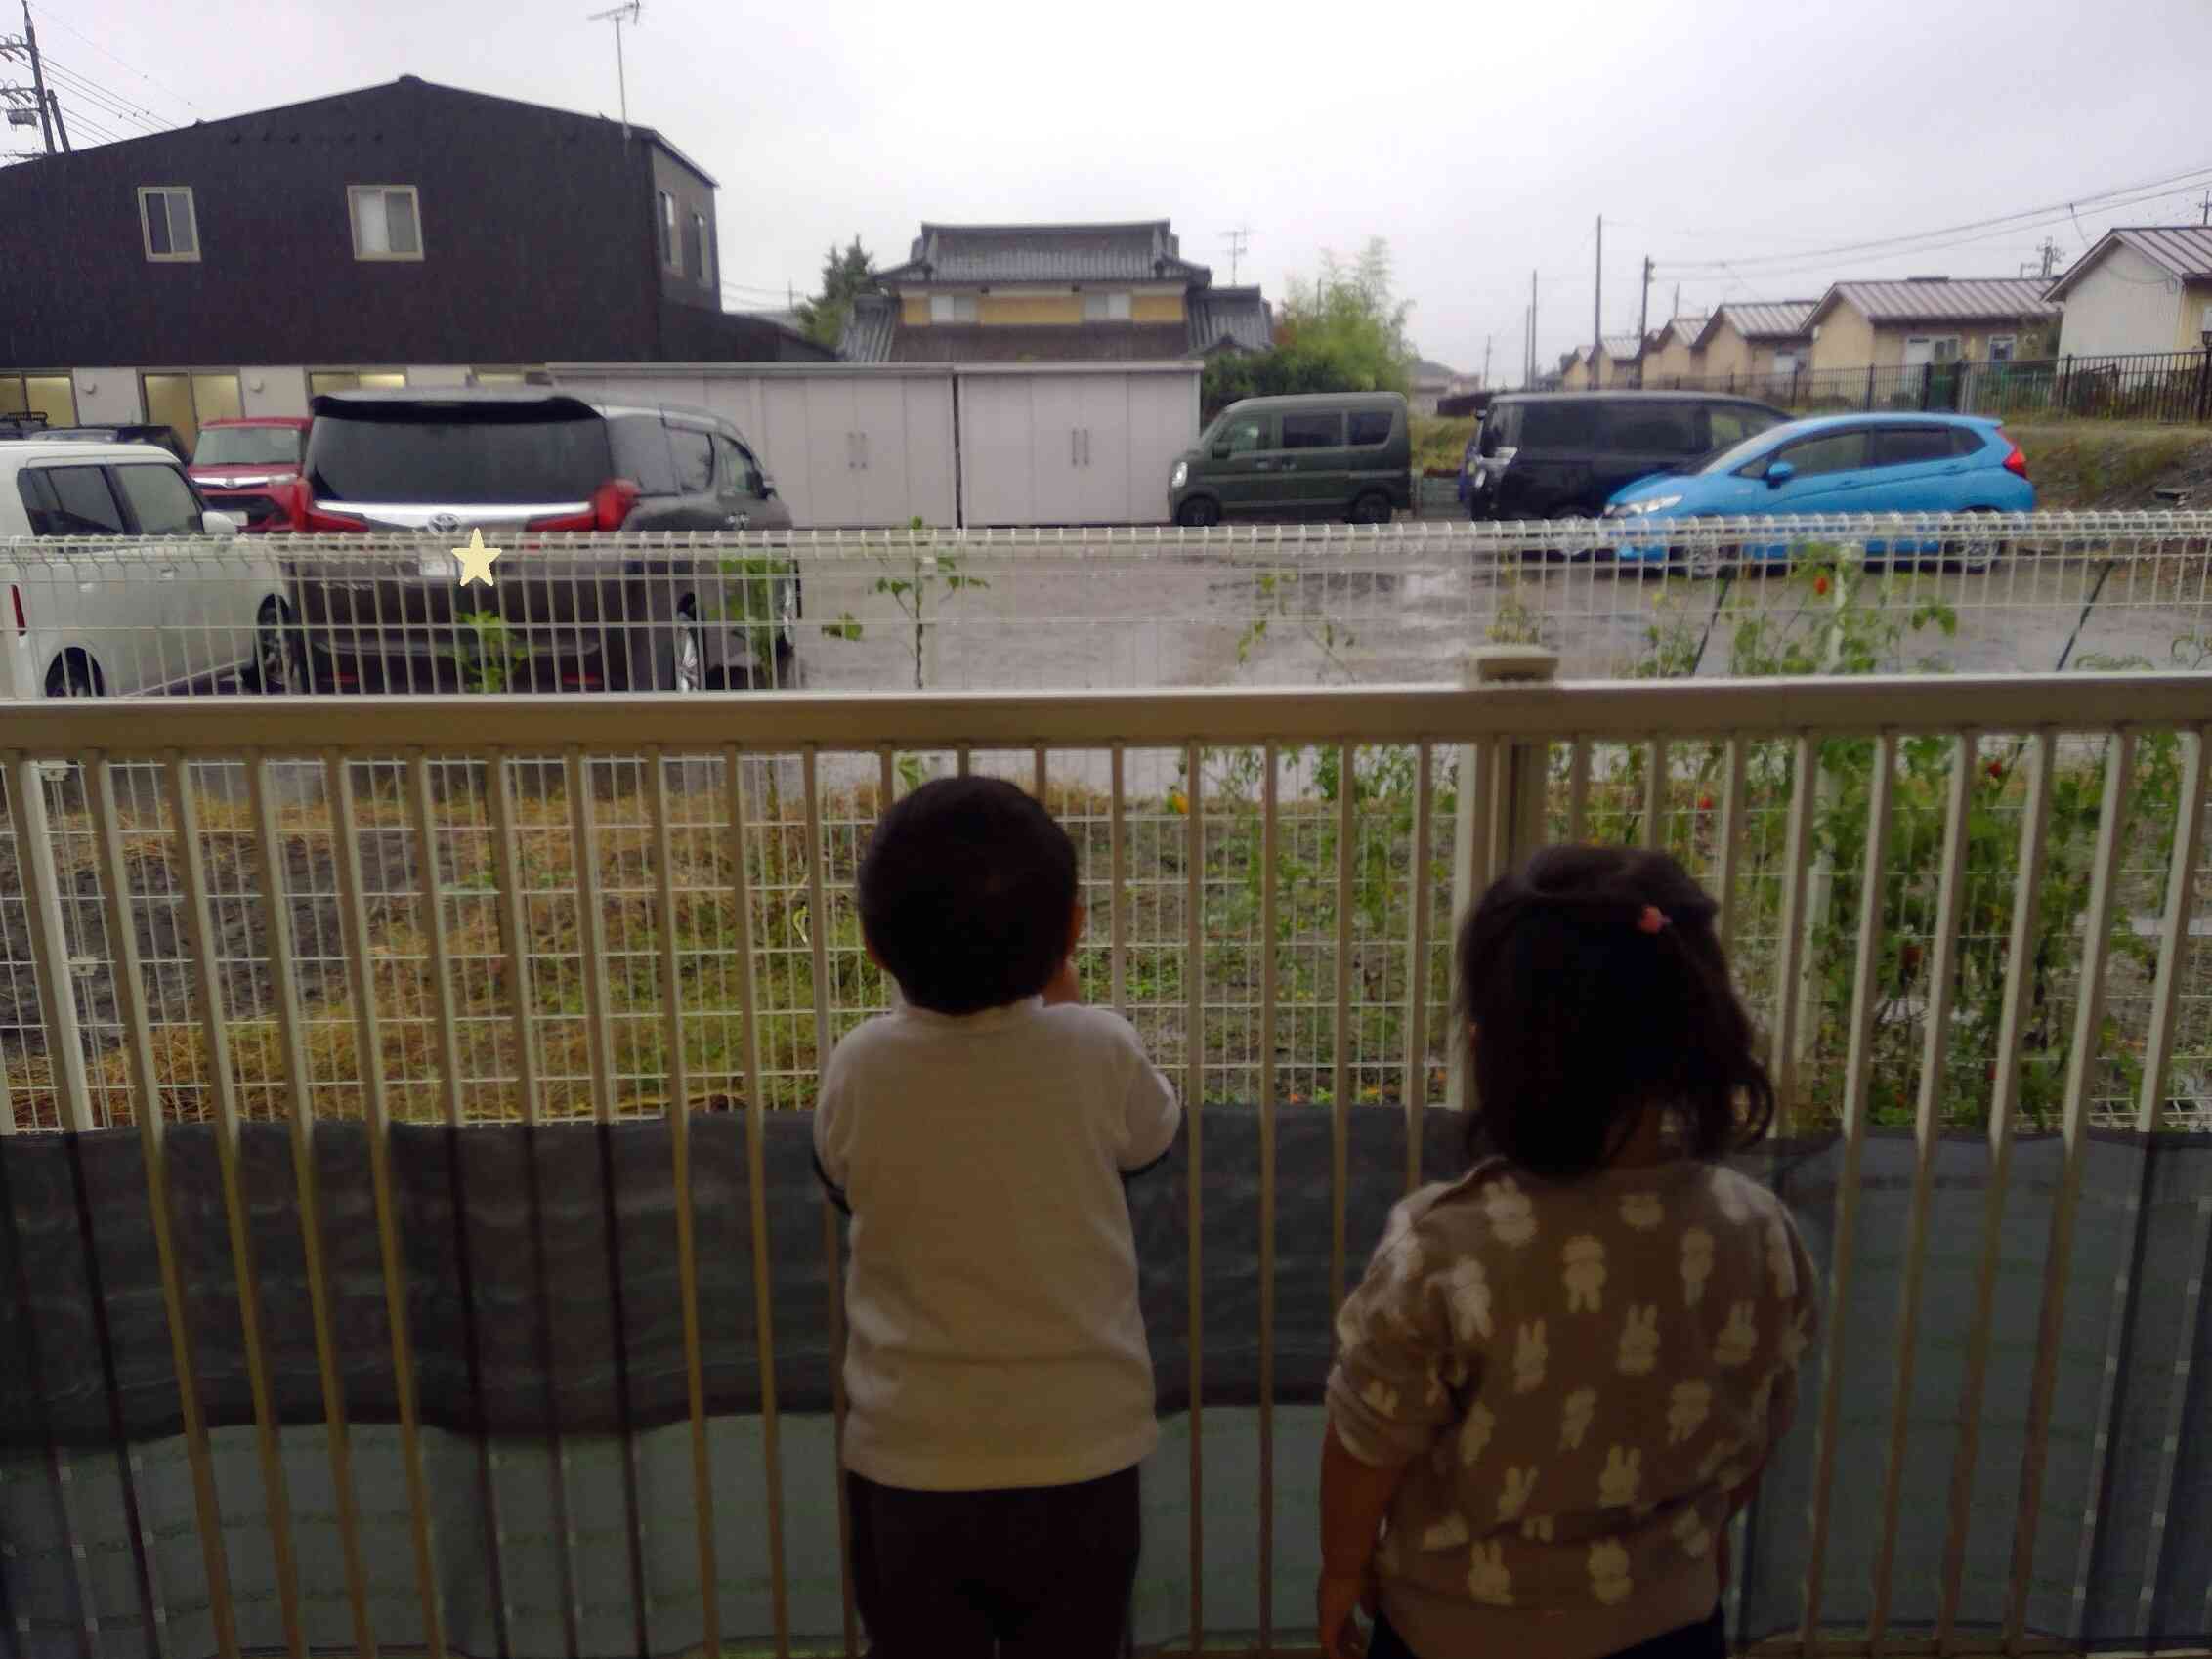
[{"x": 1065, "y": 986}]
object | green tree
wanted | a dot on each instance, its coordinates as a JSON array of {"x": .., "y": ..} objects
[
  {"x": 845, "y": 273},
  {"x": 1343, "y": 332}
]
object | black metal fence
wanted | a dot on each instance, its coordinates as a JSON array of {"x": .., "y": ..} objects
[{"x": 2151, "y": 386}]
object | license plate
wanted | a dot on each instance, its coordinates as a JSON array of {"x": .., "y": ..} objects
[{"x": 439, "y": 567}]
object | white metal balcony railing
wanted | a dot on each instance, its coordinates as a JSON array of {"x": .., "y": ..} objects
[
  {"x": 483, "y": 1303},
  {"x": 1013, "y": 610}
]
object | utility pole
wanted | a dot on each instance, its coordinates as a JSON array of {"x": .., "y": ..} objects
[
  {"x": 54, "y": 103},
  {"x": 41, "y": 100},
  {"x": 1236, "y": 240},
  {"x": 1532, "y": 329},
  {"x": 2207, "y": 205},
  {"x": 1643, "y": 312},
  {"x": 1486, "y": 339},
  {"x": 612, "y": 15},
  {"x": 1597, "y": 303}
]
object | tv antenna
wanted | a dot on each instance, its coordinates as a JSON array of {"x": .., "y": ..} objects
[
  {"x": 1236, "y": 240},
  {"x": 615, "y": 15}
]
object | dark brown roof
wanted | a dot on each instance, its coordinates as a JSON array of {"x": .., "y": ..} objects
[
  {"x": 1100, "y": 342},
  {"x": 1146, "y": 251}
]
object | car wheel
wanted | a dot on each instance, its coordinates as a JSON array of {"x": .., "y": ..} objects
[
  {"x": 1200, "y": 512},
  {"x": 1373, "y": 508},
  {"x": 279, "y": 654},
  {"x": 74, "y": 674},
  {"x": 1955, "y": 552}
]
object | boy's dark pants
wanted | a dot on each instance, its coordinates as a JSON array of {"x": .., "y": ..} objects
[{"x": 1039, "y": 1572}]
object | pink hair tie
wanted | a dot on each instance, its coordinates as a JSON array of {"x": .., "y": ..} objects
[{"x": 1651, "y": 920}]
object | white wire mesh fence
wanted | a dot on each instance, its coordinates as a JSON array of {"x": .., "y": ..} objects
[{"x": 1268, "y": 605}]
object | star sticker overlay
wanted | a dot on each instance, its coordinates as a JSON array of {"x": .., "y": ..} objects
[{"x": 476, "y": 559}]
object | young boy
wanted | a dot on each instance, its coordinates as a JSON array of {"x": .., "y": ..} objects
[{"x": 998, "y": 1381}]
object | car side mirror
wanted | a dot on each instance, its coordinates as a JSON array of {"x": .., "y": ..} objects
[
  {"x": 213, "y": 522},
  {"x": 1780, "y": 474},
  {"x": 1222, "y": 450}
]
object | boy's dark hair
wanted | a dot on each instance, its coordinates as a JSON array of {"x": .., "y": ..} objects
[
  {"x": 1598, "y": 989},
  {"x": 966, "y": 895}
]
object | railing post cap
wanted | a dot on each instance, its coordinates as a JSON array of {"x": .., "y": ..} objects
[{"x": 1509, "y": 665}]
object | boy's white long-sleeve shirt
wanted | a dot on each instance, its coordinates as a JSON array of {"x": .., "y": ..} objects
[{"x": 993, "y": 1336}]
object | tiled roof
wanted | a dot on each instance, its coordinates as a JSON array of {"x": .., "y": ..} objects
[
  {"x": 1143, "y": 252},
  {"x": 1624, "y": 348},
  {"x": 1237, "y": 316},
  {"x": 2182, "y": 251},
  {"x": 868, "y": 329},
  {"x": 2001, "y": 299},
  {"x": 1087, "y": 342},
  {"x": 1777, "y": 320}
]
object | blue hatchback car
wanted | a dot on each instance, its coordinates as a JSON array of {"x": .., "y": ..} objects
[{"x": 1870, "y": 463}]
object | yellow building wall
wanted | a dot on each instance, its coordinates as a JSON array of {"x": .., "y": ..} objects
[
  {"x": 914, "y": 311},
  {"x": 1846, "y": 340},
  {"x": 1671, "y": 362},
  {"x": 1029, "y": 311},
  {"x": 2190, "y": 335},
  {"x": 1577, "y": 377},
  {"x": 1727, "y": 352},
  {"x": 1155, "y": 308}
]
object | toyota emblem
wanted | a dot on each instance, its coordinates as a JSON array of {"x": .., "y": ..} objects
[{"x": 445, "y": 523}]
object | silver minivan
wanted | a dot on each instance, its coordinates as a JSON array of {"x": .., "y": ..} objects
[{"x": 118, "y": 581}]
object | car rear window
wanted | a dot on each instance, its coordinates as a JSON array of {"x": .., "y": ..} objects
[
  {"x": 247, "y": 447},
  {"x": 1654, "y": 428},
  {"x": 1370, "y": 426},
  {"x": 483, "y": 458},
  {"x": 161, "y": 500},
  {"x": 69, "y": 502},
  {"x": 1731, "y": 424},
  {"x": 695, "y": 459},
  {"x": 1313, "y": 431},
  {"x": 1966, "y": 440},
  {"x": 1909, "y": 445},
  {"x": 641, "y": 454}
]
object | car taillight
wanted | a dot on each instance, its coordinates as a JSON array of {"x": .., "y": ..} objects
[
  {"x": 611, "y": 505},
  {"x": 297, "y": 500},
  {"x": 2016, "y": 463},
  {"x": 23, "y": 625}
]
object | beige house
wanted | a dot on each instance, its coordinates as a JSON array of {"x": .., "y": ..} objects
[
  {"x": 1743, "y": 343},
  {"x": 1051, "y": 293},
  {"x": 1618, "y": 362},
  {"x": 1925, "y": 319},
  {"x": 1670, "y": 353},
  {"x": 1574, "y": 372},
  {"x": 2139, "y": 289}
]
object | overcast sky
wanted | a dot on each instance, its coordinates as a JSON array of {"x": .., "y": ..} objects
[{"x": 1482, "y": 140}]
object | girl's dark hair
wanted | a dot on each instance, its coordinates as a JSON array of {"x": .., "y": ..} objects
[{"x": 1588, "y": 1010}]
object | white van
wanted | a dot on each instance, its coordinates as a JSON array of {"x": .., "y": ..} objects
[{"x": 103, "y": 594}]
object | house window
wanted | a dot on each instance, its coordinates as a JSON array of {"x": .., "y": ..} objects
[
  {"x": 1923, "y": 348},
  {"x": 166, "y": 218},
  {"x": 387, "y": 221},
  {"x": 1786, "y": 362},
  {"x": 321, "y": 381},
  {"x": 1106, "y": 308},
  {"x": 700, "y": 250},
  {"x": 53, "y": 395},
  {"x": 668, "y": 253},
  {"x": 188, "y": 402},
  {"x": 2001, "y": 348},
  {"x": 952, "y": 308}
]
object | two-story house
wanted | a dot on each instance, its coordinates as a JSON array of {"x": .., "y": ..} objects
[
  {"x": 1051, "y": 293},
  {"x": 404, "y": 233}
]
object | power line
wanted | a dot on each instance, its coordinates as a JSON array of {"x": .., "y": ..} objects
[
  {"x": 99, "y": 97},
  {"x": 1906, "y": 243},
  {"x": 62, "y": 24}
]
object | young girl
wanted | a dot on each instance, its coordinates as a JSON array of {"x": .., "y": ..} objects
[{"x": 1564, "y": 1372}]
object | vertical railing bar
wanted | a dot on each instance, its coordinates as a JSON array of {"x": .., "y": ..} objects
[
  {"x": 1341, "y": 1089},
  {"x": 834, "y": 1256},
  {"x": 887, "y": 779},
  {"x": 1736, "y": 813},
  {"x": 208, "y": 983},
  {"x": 1117, "y": 859},
  {"x": 1269, "y": 848},
  {"x": 50, "y": 946},
  {"x": 1039, "y": 779},
  {"x": 817, "y": 939},
  {"x": 514, "y": 926},
  {"x": 1927, "y": 1129},
  {"x": 2174, "y": 935},
  {"x": 1797, "y": 870},
  {"x": 679, "y": 1158},
  {"x": 1856, "y": 1071},
  {"x": 591, "y": 932},
  {"x": 433, "y": 887},
  {"x": 2173, "y": 960},
  {"x": 1416, "y": 961},
  {"x": 1194, "y": 1114},
  {"x": 275, "y": 903},
  {"x": 1654, "y": 794},
  {"x": 964, "y": 759},
  {"x": 2082, "y": 1063},
  {"x": 756, "y": 1106},
  {"x": 145, "y": 1079},
  {"x": 2019, "y": 986},
  {"x": 1578, "y": 791}
]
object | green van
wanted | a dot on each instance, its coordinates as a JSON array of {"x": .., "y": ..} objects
[{"x": 1323, "y": 455}]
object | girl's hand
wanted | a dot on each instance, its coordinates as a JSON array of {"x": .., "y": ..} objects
[{"x": 1335, "y": 1600}]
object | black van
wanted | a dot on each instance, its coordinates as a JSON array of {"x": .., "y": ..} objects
[{"x": 1562, "y": 454}]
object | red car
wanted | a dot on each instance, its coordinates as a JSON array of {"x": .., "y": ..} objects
[{"x": 245, "y": 468}]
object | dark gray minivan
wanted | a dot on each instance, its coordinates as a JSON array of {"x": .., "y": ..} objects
[
  {"x": 1562, "y": 454},
  {"x": 1321, "y": 455}
]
